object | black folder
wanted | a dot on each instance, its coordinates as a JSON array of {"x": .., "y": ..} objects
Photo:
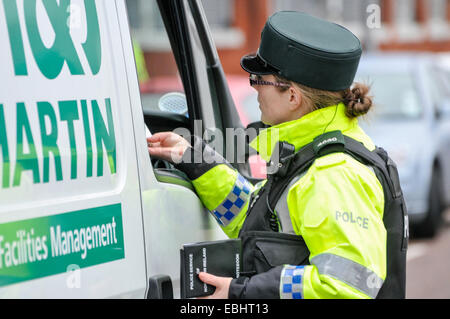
[{"x": 220, "y": 258}]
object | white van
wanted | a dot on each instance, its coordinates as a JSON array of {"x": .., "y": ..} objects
[{"x": 83, "y": 212}]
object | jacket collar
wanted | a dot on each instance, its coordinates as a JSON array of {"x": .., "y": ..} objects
[{"x": 303, "y": 130}]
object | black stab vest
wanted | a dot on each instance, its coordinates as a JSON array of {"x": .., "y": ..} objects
[{"x": 264, "y": 247}]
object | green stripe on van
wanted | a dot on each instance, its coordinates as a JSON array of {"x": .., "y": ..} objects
[{"x": 45, "y": 246}]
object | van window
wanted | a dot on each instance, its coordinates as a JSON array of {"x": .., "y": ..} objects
[{"x": 155, "y": 62}]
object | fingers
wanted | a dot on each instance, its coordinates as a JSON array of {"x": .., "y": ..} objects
[
  {"x": 167, "y": 145},
  {"x": 222, "y": 285},
  {"x": 156, "y": 150},
  {"x": 168, "y": 153},
  {"x": 156, "y": 146},
  {"x": 208, "y": 278},
  {"x": 158, "y": 137},
  {"x": 164, "y": 153}
]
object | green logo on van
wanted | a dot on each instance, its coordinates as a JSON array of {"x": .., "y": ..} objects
[
  {"x": 45, "y": 246},
  {"x": 50, "y": 60}
]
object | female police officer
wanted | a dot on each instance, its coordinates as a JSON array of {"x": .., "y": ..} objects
[{"x": 324, "y": 236}]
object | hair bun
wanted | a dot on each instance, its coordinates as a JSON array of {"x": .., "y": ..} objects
[{"x": 357, "y": 101}]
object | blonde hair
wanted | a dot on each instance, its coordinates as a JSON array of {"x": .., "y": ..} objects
[{"x": 356, "y": 98}]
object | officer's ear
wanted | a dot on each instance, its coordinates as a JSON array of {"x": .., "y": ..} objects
[{"x": 295, "y": 98}]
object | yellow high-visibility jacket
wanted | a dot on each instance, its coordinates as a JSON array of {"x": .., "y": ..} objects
[{"x": 337, "y": 207}]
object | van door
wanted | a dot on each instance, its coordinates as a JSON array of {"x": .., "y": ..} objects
[
  {"x": 70, "y": 206},
  {"x": 173, "y": 213}
]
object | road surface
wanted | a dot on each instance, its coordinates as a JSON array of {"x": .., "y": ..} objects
[{"x": 428, "y": 265}]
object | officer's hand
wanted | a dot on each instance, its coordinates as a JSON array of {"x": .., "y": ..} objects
[
  {"x": 167, "y": 146},
  {"x": 222, "y": 285}
]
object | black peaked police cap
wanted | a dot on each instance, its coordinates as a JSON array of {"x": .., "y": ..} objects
[{"x": 307, "y": 50}]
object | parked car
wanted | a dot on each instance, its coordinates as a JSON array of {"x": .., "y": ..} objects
[{"x": 411, "y": 120}]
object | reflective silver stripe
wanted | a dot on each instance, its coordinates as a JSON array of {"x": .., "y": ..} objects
[
  {"x": 291, "y": 282},
  {"x": 350, "y": 272},
  {"x": 234, "y": 202},
  {"x": 282, "y": 210}
]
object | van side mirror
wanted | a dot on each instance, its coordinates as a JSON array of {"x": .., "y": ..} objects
[{"x": 160, "y": 287}]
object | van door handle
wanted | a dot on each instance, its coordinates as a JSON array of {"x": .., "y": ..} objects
[{"x": 160, "y": 287}]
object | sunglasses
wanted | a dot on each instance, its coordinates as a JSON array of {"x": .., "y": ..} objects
[{"x": 256, "y": 80}]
